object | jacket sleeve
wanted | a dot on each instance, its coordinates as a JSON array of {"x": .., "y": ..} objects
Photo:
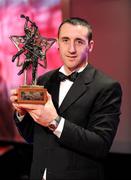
[
  {"x": 96, "y": 139},
  {"x": 25, "y": 127}
]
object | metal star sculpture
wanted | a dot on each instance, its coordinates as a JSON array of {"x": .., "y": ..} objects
[{"x": 33, "y": 46}]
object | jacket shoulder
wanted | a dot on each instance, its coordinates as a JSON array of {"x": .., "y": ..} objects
[
  {"x": 104, "y": 78},
  {"x": 105, "y": 83},
  {"x": 45, "y": 77}
]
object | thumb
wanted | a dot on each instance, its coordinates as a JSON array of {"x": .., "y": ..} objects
[{"x": 49, "y": 97}]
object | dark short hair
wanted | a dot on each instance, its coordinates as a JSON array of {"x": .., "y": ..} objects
[{"x": 78, "y": 21}]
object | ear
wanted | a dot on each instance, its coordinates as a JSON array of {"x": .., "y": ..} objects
[{"x": 91, "y": 45}]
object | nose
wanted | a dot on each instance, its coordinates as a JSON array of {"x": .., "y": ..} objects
[{"x": 72, "y": 48}]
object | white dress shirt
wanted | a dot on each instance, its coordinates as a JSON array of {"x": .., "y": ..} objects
[{"x": 64, "y": 88}]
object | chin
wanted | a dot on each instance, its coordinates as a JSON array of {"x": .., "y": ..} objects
[{"x": 72, "y": 68}]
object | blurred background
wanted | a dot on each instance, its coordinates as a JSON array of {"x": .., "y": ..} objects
[{"x": 111, "y": 32}]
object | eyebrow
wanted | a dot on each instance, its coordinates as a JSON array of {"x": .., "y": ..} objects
[
  {"x": 79, "y": 39},
  {"x": 65, "y": 37}
]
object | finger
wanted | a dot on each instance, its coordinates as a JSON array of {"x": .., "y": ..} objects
[
  {"x": 30, "y": 106},
  {"x": 15, "y": 106},
  {"x": 21, "y": 111},
  {"x": 13, "y": 92},
  {"x": 13, "y": 99}
]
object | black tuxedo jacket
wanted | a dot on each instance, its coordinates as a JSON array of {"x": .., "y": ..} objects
[{"x": 91, "y": 110}]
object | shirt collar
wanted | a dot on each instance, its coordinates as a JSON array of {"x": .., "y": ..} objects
[{"x": 80, "y": 70}]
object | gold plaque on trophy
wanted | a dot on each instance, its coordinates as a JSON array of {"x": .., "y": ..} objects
[
  {"x": 32, "y": 94},
  {"x": 34, "y": 48}
]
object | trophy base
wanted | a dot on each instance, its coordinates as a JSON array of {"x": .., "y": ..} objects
[{"x": 32, "y": 94}]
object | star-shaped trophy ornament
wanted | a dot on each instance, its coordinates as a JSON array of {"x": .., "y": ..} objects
[{"x": 34, "y": 47}]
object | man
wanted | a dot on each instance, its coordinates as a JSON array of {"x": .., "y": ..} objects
[{"x": 74, "y": 130}]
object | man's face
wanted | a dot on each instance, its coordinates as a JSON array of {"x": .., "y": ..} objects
[{"x": 73, "y": 45}]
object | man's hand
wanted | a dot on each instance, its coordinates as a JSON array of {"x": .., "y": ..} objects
[
  {"x": 42, "y": 114},
  {"x": 13, "y": 99}
]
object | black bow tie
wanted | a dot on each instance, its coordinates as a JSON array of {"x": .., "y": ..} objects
[{"x": 71, "y": 77}]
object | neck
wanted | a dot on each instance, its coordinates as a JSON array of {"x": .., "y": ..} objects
[{"x": 70, "y": 70}]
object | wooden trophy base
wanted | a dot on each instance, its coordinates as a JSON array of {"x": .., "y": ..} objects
[{"x": 31, "y": 94}]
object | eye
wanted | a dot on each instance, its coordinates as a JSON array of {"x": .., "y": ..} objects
[
  {"x": 65, "y": 40},
  {"x": 80, "y": 42}
]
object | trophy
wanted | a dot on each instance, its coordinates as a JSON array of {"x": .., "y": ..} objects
[{"x": 34, "y": 47}]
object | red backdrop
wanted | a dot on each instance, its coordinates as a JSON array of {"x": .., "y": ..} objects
[{"x": 47, "y": 15}]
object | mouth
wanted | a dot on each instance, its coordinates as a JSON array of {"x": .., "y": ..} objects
[{"x": 71, "y": 57}]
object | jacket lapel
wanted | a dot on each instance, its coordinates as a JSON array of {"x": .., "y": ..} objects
[{"x": 78, "y": 88}]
